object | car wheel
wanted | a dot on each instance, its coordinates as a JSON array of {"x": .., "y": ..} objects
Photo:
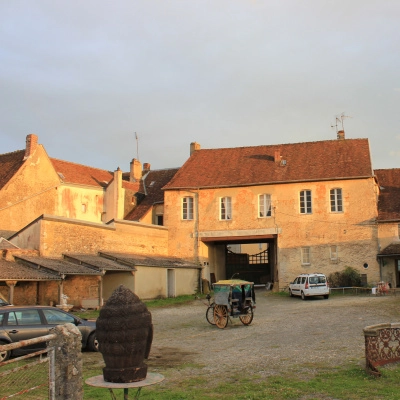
[
  {"x": 326, "y": 296},
  {"x": 4, "y": 355},
  {"x": 93, "y": 343},
  {"x": 303, "y": 297},
  {"x": 290, "y": 293}
]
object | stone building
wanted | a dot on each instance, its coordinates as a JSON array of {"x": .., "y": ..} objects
[
  {"x": 68, "y": 220},
  {"x": 314, "y": 204},
  {"x": 389, "y": 225}
]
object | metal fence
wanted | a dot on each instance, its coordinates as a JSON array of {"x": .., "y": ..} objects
[{"x": 31, "y": 376}]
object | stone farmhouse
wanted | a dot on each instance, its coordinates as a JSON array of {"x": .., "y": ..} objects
[
  {"x": 314, "y": 204},
  {"x": 262, "y": 213},
  {"x": 80, "y": 231}
]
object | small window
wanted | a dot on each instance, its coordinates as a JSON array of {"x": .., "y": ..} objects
[
  {"x": 160, "y": 220},
  {"x": 305, "y": 256},
  {"x": 334, "y": 253},
  {"x": 305, "y": 202},
  {"x": 225, "y": 208},
  {"x": 336, "y": 200},
  {"x": 187, "y": 208},
  {"x": 264, "y": 205},
  {"x": 84, "y": 208}
]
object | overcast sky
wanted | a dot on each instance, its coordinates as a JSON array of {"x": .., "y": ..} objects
[{"x": 85, "y": 75}]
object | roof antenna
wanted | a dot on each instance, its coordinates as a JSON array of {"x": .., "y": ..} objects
[
  {"x": 339, "y": 119},
  {"x": 137, "y": 146}
]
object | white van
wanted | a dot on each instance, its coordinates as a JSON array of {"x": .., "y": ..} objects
[{"x": 307, "y": 285}]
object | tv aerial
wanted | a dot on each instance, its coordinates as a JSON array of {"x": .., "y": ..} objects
[{"x": 339, "y": 120}]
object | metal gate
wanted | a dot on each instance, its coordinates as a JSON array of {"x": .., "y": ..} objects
[
  {"x": 254, "y": 268},
  {"x": 31, "y": 376}
]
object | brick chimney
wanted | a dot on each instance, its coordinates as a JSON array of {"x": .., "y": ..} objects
[
  {"x": 146, "y": 167},
  {"x": 277, "y": 156},
  {"x": 340, "y": 135},
  {"x": 193, "y": 147},
  {"x": 136, "y": 171},
  {"x": 31, "y": 144}
]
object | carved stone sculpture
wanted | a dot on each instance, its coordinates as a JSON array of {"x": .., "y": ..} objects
[{"x": 124, "y": 330}]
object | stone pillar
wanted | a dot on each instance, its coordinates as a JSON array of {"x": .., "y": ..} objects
[
  {"x": 100, "y": 279},
  {"x": 68, "y": 362},
  {"x": 11, "y": 285},
  {"x": 60, "y": 292}
]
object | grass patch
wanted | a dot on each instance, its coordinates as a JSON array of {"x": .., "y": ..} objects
[
  {"x": 350, "y": 383},
  {"x": 156, "y": 303}
]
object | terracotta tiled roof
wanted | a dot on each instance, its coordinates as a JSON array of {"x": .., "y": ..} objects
[
  {"x": 55, "y": 265},
  {"x": 244, "y": 166},
  {"x": 154, "y": 182},
  {"x": 15, "y": 271},
  {"x": 9, "y": 165},
  {"x": 392, "y": 250},
  {"x": 149, "y": 261},
  {"x": 81, "y": 174},
  {"x": 98, "y": 262},
  {"x": 389, "y": 195}
]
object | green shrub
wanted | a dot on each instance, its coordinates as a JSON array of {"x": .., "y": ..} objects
[{"x": 346, "y": 278}]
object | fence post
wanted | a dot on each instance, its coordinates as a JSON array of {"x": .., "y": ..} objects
[{"x": 68, "y": 362}]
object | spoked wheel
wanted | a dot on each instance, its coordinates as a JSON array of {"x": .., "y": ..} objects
[
  {"x": 247, "y": 317},
  {"x": 210, "y": 314},
  {"x": 220, "y": 316}
]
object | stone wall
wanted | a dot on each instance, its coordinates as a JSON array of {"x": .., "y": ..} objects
[{"x": 55, "y": 236}]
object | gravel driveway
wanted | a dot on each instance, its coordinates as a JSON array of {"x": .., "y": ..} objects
[{"x": 287, "y": 335}]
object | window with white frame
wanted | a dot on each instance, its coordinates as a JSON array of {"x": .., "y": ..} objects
[
  {"x": 187, "y": 208},
  {"x": 264, "y": 205},
  {"x": 305, "y": 256},
  {"x": 336, "y": 200},
  {"x": 305, "y": 202},
  {"x": 225, "y": 208},
  {"x": 334, "y": 253}
]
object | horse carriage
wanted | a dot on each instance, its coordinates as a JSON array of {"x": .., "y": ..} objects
[{"x": 232, "y": 298}]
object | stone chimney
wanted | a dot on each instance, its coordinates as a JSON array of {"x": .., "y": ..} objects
[
  {"x": 31, "y": 144},
  {"x": 136, "y": 171},
  {"x": 277, "y": 156},
  {"x": 193, "y": 147},
  {"x": 340, "y": 135},
  {"x": 146, "y": 167}
]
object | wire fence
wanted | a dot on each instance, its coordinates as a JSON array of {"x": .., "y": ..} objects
[{"x": 26, "y": 377}]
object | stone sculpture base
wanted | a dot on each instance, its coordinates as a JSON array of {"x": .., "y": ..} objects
[{"x": 123, "y": 375}]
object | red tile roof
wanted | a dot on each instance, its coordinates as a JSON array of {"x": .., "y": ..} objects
[
  {"x": 244, "y": 166},
  {"x": 9, "y": 165},
  {"x": 154, "y": 181},
  {"x": 81, "y": 174},
  {"x": 389, "y": 196}
]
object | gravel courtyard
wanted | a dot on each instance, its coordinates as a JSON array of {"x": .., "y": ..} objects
[{"x": 287, "y": 335}]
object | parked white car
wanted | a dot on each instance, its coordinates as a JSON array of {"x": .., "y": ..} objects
[{"x": 307, "y": 285}]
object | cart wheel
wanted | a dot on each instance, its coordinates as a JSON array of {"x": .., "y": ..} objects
[
  {"x": 210, "y": 314},
  {"x": 220, "y": 316},
  {"x": 247, "y": 317}
]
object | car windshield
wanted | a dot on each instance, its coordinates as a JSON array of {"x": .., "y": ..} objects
[{"x": 317, "y": 279}]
